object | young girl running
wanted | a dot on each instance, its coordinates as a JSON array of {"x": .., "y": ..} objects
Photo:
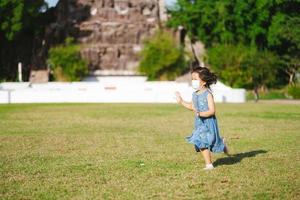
[{"x": 205, "y": 136}]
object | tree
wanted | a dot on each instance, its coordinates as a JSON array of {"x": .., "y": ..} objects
[
  {"x": 266, "y": 25},
  {"x": 20, "y": 22},
  {"x": 16, "y": 15},
  {"x": 242, "y": 66},
  {"x": 161, "y": 57},
  {"x": 284, "y": 39}
]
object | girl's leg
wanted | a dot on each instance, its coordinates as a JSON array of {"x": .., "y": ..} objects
[
  {"x": 206, "y": 155},
  {"x": 226, "y": 150}
]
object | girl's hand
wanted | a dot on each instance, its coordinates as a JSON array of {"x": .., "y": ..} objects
[
  {"x": 178, "y": 97},
  {"x": 195, "y": 111}
]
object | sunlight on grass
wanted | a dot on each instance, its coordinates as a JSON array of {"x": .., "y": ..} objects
[{"x": 138, "y": 151}]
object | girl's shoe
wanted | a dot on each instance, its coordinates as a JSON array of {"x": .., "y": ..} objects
[
  {"x": 208, "y": 167},
  {"x": 226, "y": 150}
]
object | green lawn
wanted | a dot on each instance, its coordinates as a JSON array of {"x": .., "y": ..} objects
[{"x": 138, "y": 151}]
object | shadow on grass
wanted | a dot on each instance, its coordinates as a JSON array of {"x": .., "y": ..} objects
[{"x": 236, "y": 158}]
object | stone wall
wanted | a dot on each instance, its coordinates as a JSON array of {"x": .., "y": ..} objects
[{"x": 111, "y": 32}]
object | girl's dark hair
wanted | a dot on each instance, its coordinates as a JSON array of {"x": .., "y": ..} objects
[{"x": 206, "y": 75}]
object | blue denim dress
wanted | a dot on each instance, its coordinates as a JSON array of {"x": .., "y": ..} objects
[{"x": 206, "y": 131}]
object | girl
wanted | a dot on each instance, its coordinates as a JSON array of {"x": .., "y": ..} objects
[{"x": 205, "y": 136}]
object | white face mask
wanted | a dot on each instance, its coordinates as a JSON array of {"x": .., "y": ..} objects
[{"x": 195, "y": 84}]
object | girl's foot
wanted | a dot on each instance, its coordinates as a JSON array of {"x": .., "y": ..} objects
[
  {"x": 226, "y": 150},
  {"x": 209, "y": 167}
]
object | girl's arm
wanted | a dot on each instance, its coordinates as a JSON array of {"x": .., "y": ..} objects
[
  {"x": 188, "y": 105},
  {"x": 211, "y": 107}
]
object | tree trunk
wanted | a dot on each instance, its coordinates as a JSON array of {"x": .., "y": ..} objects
[
  {"x": 291, "y": 72},
  {"x": 194, "y": 53},
  {"x": 256, "y": 95}
]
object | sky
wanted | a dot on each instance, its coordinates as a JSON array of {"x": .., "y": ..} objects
[{"x": 54, "y": 2}]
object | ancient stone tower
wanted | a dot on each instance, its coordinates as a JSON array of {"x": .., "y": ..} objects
[{"x": 111, "y": 32}]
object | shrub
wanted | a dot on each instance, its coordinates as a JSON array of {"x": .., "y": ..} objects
[
  {"x": 243, "y": 66},
  {"x": 267, "y": 95},
  {"x": 66, "y": 63},
  {"x": 294, "y": 91},
  {"x": 162, "y": 58}
]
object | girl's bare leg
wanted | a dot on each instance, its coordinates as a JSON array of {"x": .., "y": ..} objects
[
  {"x": 206, "y": 155},
  {"x": 226, "y": 150}
]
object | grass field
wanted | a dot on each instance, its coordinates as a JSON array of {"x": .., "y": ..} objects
[{"x": 138, "y": 151}]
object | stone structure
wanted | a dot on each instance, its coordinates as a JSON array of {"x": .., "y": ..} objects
[
  {"x": 111, "y": 32},
  {"x": 39, "y": 76}
]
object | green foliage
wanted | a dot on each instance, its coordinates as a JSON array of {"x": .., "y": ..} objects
[
  {"x": 66, "y": 63},
  {"x": 10, "y": 17},
  {"x": 16, "y": 15},
  {"x": 162, "y": 58},
  {"x": 2, "y": 80},
  {"x": 234, "y": 22},
  {"x": 261, "y": 24},
  {"x": 21, "y": 22},
  {"x": 294, "y": 91},
  {"x": 242, "y": 66},
  {"x": 267, "y": 95},
  {"x": 284, "y": 39}
]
